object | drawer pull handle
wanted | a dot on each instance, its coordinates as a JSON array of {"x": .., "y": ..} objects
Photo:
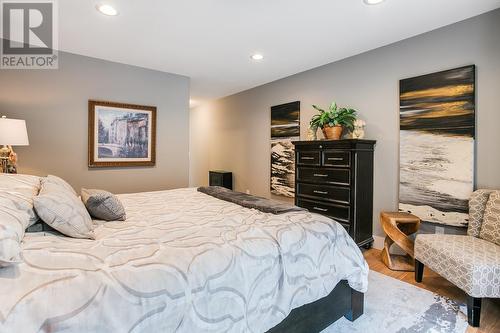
[
  {"x": 320, "y": 175},
  {"x": 320, "y": 192},
  {"x": 320, "y": 209},
  {"x": 335, "y": 159},
  {"x": 307, "y": 158}
]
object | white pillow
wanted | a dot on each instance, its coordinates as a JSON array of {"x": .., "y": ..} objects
[
  {"x": 13, "y": 222},
  {"x": 63, "y": 210},
  {"x": 21, "y": 189},
  {"x": 61, "y": 182}
]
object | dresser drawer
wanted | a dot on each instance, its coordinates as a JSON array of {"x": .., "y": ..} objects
[
  {"x": 336, "y": 212},
  {"x": 336, "y": 158},
  {"x": 331, "y": 193},
  {"x": 308, "y": 158},
  {"x": 324, "y": 176}
]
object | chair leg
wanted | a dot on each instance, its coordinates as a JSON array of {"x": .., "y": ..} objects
[
  {"x": 473, "y": 310},
  {"x": 419, "y": 271}
]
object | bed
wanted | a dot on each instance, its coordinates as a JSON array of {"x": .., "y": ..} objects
[{"x": 184, "y": 261}]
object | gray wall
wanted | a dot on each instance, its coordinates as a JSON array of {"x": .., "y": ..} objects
[
  {"x": 234, "y": 133},
  {"x": 54, "y": 105}
]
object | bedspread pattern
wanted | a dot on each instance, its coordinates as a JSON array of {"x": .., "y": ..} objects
[{"x": 182, "y": 262}]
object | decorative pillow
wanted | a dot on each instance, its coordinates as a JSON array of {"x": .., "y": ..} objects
[
  {"x": 103, "y": 205},
  {"x": 477, "y": 205},
  {"x": 63, "y": 211},
  {"x": 61, "y": 182},
  {"x": 490, "y": 230},
  {"x": 21, "y": 189},
  {"x": 13, "y": 221}
]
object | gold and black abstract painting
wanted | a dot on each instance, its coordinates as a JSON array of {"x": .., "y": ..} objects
[
  {"x": 285, "y": 127},
  {"x": 437, "y": 131}
]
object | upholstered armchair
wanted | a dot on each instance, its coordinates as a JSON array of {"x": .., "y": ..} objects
[{"x": 471, "y": 262}]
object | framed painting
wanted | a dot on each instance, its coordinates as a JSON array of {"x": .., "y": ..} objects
[
  {"x": 121, "y": 135},
  {"x": 437, "y": 131},
  {"x": 285, "y": 127}
]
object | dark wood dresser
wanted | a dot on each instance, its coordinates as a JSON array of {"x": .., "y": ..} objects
[{"x": 335, "y": 178}]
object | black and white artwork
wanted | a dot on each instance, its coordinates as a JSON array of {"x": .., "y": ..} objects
[
  {"x": 437, "y": 130},
  {"x": 285, "y": 128}
]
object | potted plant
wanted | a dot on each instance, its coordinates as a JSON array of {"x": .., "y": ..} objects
[{"x": 334, "y": 120}]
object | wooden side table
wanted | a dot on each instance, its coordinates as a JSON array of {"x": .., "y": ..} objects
[{"x": 398, "y": 226}]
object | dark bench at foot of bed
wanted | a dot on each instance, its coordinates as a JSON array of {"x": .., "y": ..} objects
[{"x": 343, "y": 301}]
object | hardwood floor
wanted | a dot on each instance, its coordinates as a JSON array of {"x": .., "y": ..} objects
[{"x": 490, "y": 313}]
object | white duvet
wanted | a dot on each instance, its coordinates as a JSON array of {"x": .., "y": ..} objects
[{"x": 182, "y": 262}]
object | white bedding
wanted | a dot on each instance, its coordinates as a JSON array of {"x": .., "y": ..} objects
[{"x": 181, "y": 262}]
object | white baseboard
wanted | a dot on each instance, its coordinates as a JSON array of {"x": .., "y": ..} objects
[{"x": 378, "y": 243}]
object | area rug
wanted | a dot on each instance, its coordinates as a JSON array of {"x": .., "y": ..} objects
[{"x": 393, "y": 306}]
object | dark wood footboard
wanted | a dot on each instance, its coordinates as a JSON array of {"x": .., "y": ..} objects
[{"x": 343, "y": 301}]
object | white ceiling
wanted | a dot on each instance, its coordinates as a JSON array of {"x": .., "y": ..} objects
[{"x": 211, "y": 40}]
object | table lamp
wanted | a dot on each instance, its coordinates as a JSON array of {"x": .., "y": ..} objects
[{"x": 12, "y": 133}]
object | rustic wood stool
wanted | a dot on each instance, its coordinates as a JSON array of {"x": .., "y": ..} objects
[{"x": 398, "y": 226}]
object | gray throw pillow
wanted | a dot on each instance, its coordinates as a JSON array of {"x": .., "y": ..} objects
[{"x": 103, "y": 205}]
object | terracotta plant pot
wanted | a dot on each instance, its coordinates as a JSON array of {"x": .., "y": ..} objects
[{"x": 332, "y": 133}]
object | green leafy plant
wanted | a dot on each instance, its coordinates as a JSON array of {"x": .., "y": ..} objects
[{"x": 334, "y": 116}]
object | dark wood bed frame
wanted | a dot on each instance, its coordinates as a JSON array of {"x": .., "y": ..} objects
[{"x": 343, "y": 301}]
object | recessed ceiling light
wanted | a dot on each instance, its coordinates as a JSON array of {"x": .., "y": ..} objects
[
  {"x": 257, "y": 56},
  {"x": 107, "y": 10},
  {"x": 373, "y": 2}
]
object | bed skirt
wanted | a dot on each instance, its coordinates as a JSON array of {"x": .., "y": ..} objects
[{"x": 314, "y": 317}]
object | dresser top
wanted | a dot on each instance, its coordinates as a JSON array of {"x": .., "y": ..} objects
[
  {"x": 219, "y": 171},
  {"x": 343, "y": 142}
]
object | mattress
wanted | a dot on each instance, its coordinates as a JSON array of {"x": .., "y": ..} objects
[{"x": 183, "y": 261}]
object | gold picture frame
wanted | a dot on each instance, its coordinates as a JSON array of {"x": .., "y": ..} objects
[{"x": 121, "y": 135}]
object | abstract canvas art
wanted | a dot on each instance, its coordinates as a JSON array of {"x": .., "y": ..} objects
[
  {"x": 121, "y": 134},
  {"x": 285, "y": 127},
  {"x": 437, "y": 131}
]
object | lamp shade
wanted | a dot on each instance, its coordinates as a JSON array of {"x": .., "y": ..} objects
[{"x": 13, "y": 132}]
